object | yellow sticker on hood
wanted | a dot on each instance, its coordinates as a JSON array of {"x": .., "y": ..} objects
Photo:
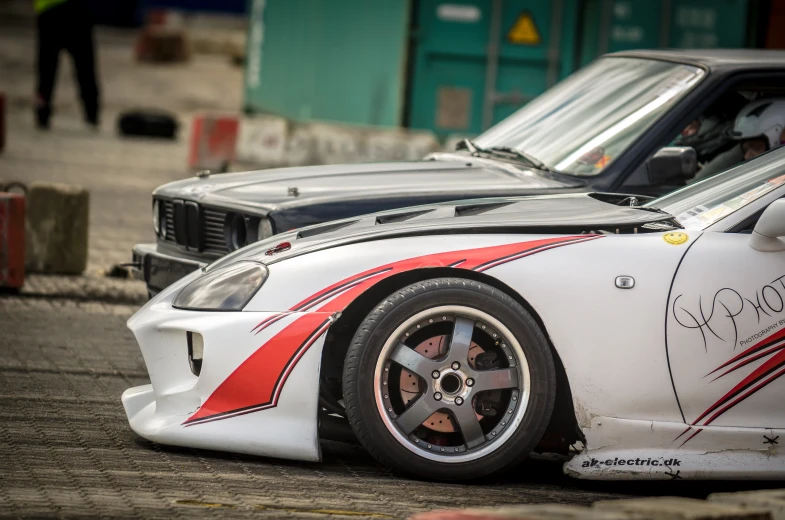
[{"x": 675, "y": 237}]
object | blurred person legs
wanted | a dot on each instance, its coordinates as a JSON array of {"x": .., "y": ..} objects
[{"x": 66, "y": 24}]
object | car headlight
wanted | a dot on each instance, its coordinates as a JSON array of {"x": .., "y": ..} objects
[
  {"x": 157, "y": 216},
  {"x": 227, "y": 288},
  {"x": 265, "y": 229}
]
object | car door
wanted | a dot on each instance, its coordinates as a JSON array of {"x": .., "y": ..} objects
[{"x": 725, "y": 333}]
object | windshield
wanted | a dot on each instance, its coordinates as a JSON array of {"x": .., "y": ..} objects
[
  {"x": 583, "y": 123},
  {"x": 702, "y": 204}
]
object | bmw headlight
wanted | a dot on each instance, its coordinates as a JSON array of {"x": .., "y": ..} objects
[
  {"x": 157, "y": 216},
  {"x": 227, "y": 288},
  {"x": 265, "y": 229}
]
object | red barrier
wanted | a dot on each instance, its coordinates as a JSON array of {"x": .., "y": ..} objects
[
  {"x": 2, "y": 121},
  {"x": 213, "y": 142},
  {"x": 12, "y": 240}
]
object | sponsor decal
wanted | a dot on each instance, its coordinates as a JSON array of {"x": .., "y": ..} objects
[
  {"x": 676, "y": 238},
  {"x": 257, "y": 383},
  {"x": 728, "y": 307},
  {"x": 616, "y": 461}
]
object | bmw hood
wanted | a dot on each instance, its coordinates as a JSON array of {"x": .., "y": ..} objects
[
  {"x": 572, "y": 213},
  {"x": 443, "y": 175}
]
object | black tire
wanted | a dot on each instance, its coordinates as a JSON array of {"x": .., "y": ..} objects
[{"x": 368, "y": 343}]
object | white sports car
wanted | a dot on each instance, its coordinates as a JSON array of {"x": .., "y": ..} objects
[{"x": 456, "y": 339}]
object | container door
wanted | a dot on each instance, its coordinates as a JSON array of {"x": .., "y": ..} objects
[
  {"x": 618, "y": 25},
  {"x": 476, "y": 61}
]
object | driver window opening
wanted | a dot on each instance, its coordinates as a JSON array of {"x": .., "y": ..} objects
[{"x": 743, "y": 123}]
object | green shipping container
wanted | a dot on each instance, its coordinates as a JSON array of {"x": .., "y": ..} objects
[
  {"x": 452, "y": 66},
  {"x": 470, "y": 70},
  {"x": 332, "y": 60},
  {"x": 477, "y": 61},
  {"x": 617, "y": 25}
]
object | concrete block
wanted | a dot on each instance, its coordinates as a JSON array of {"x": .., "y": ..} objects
[
  {"x": 528, "y": 512},
  {"x": 56, "y": 227},
  {"x": 263, "y": 140},
  {"x": 336, "y": 144},
  {"x": 676, "y": 508},
  {"x": 271, "y": 141},
  {"x": 771, "y": 500},
  {"x": 400, "y": 146}
]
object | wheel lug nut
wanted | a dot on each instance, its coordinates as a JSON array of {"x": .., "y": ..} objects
[
  {"x": 470, "y": 382},
  {"x": 459, "y": 401},
  {"x": 456, "y": 365},
  {"x": 437, "y": 396},
  {"x": 435, "y": 374}
]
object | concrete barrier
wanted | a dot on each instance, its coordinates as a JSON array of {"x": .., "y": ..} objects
[
  {"x": 677, "y": 508},
  {"x": 524, "y": 512},
  {"x": 213, "y": 142},
  {"x": 753, "y": 505},
  {"x": 772, "y": 500},
  {"x": 272, "y": 141},
  {"x": 56, "y": 228}
]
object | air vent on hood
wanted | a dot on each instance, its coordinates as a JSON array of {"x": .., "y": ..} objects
[
  {"x": 320, "y": 230},
  {"x": 400, "y": 217},
  {"x": 468, "y": 210}
]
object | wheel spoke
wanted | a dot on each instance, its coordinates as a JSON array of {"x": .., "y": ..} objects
[
  {"x": 416, "y": 414},
  {"x": 461, "y": 340},
  {"x": 495, "y": 379},
  {"x": 469, "y": 425},
  {"x": 413, "y": 361}
]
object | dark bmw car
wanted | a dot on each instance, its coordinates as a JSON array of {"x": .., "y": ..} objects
[{"x": 618, "y": 125}]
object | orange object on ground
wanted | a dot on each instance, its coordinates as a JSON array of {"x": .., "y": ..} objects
[
  {"x": 213, "y": 142},
  {"x": 12, "y": 240}
]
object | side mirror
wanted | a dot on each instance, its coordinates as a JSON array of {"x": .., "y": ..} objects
[
  {"x": 770, "y": 228},
  {"x": 672, "y": 162}
]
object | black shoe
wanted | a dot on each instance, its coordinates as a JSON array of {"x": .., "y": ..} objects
[
  {"x": 93, "y": 122},
  {"x": 42, "y": 115}
]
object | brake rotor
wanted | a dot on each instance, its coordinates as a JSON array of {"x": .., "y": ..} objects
[{"x": 411, "y": 387}]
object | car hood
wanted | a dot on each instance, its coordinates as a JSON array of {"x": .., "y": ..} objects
[
  {"x": 443, "y": 174},
  {"x": 552, "y": 214}
]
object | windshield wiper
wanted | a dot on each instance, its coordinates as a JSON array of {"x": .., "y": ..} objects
[
  {"x": 504, "y": 150},
  {"x": 536, "y": 163}
]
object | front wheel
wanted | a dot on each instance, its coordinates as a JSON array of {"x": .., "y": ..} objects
[{"x": 449, "y": 379}]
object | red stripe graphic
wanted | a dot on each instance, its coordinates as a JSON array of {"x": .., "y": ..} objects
[
  {"x": 753, "y": 349},
  {"x": 766, "y": 373},
  {"x": 256, "y": 384}
]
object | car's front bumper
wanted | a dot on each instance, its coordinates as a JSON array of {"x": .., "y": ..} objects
[
  {"x": 160, "y": 269},
  {"x": 163, "y": 411}
]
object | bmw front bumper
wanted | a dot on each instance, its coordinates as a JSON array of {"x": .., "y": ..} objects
[{"x": 159, "y": 269}]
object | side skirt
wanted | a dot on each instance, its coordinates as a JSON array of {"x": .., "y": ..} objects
[{"x": 620, "y": 449}]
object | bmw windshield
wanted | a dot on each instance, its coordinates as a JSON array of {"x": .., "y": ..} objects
[{"x": 582, "y": 124}]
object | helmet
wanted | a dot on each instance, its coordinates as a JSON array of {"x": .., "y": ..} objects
[{"x": 763, "y": 118}]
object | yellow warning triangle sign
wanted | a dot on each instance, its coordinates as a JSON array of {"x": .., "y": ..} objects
[{"x": 524, "y": 31}]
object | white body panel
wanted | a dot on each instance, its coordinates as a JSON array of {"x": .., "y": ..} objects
[
  {"x": 157, "y": 411},
  {"x": 612, "y": 343},
  {"x": 727, "y": 298}
]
